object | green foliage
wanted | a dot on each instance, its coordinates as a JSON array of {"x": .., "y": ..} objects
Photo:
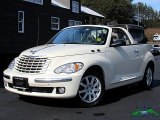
[
  {"x": 123, "y": 11},
  {"x": 114, "y": 10},
  {"x": 148, "y": 16}
]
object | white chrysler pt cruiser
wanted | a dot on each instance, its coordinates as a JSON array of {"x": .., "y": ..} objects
[{"x": 82, "y": 62}]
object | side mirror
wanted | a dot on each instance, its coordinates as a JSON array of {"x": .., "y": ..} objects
[{"x": 118, "y": 43}]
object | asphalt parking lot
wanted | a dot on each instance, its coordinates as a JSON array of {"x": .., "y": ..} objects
[{"x": 119, "y": 104}]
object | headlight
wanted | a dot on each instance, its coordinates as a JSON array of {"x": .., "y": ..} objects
[
  {"x": 11, "y": 65},
  {"x": 69, "y": 68}
]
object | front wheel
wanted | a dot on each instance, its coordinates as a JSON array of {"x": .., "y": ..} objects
[
  {"x": 148, "y": 78},
  {"x": 91, "y": 90}
]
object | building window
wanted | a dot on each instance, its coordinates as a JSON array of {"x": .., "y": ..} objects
[
  {"x": 21, "y": 21},
  {"x": 73, "y": 22},
  {"x": 55, "y": 23},
  {"x": 75, "y": 7},
  {"x": 35, "y": 1},
  {"x": 78, "y": 23}
]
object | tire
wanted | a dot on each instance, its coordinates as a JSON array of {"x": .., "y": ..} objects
[
  {"x": 91, "y": 90},
  {"x": 148, "y": 78}
]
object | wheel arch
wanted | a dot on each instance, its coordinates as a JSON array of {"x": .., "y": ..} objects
[
  {"x": 151, "y": 64},
  {"x": 147, "y": 83},
  {"x": 91, "y": 71},
  {"x": 99, "y": 71}
]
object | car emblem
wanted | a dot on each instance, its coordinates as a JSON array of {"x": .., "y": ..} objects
[{"x": 33, "y": 52}]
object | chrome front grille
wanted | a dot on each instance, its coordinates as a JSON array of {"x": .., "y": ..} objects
[{"x": 29, "y": 64}]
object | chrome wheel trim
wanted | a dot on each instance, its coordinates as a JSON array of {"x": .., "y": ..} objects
[
  {"x": 149, "y": 77},
  {"x": 90, "y": 89}
]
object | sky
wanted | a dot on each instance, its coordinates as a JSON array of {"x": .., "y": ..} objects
[{"x": 155, "y": 4}]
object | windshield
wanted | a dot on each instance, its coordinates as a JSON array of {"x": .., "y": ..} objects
[{"x": 81, "y": 35}]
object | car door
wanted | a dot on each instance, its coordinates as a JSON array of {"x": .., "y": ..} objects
[
  {"x": 124, "y": 60},
  {"x": 136, "y": 54}
]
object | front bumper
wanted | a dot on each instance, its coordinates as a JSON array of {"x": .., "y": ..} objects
[{"x": 43, "y": 85}]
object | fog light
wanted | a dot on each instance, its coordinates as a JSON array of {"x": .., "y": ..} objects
[{"x": 60, "y": 90}]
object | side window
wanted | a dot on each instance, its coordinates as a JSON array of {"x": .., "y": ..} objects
[
  {"x": 119, "y": 34},
  {"x": 20, "y": 21},
  {"x": 75, "y": 6},
  {"x": 78, "y": 23},
  {"x": 55, "y": 23},
  {"x": 73, "y": 22}
]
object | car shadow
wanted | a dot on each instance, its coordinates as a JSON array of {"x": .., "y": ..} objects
[
  {"x": 117, "y": 94},
  {"x": 110, "y": 96},
  {"x": 62, "y": 103},
  {"x": 156, "y": 83}
]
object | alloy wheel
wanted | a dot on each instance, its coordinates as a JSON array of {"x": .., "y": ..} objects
[{"x": 90, "y": 89}]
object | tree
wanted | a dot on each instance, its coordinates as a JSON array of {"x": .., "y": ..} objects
[
  {"x": 148, "y": 17},
  {"x": 119, "y": 11}
]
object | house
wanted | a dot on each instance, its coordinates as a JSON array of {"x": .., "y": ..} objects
[
  {"x": 90, "y": 16},
  {"x": 28, "y": 23}
]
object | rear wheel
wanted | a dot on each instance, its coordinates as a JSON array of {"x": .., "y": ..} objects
[
  {"x": 148, "y": 78},
  {"x": 91, "y": 90}
]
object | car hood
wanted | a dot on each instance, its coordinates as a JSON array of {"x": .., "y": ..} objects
[{"x": 60, "y": 50}]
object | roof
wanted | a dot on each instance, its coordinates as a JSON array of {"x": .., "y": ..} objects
[
  {"x": 56, "y": 3},
  {"x": 84, "y": 9},
  {"x": 89, "y": 11}
]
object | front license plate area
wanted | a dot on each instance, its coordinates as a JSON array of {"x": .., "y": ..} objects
[{"x": 20, "y": 83}]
